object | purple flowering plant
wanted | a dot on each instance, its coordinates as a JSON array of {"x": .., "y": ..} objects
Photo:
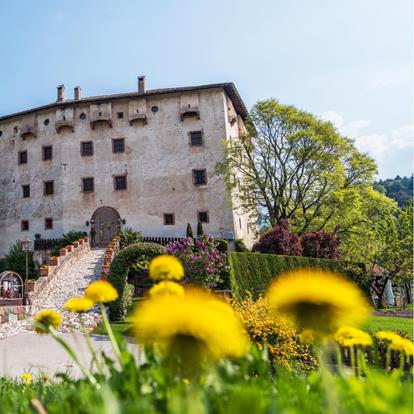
[{"x": 203, "y": 263}]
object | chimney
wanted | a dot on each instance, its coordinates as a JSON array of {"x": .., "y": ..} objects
[
  {"x": 60, "y": 93},
  {"x": 77, "y": 93},
  {"x": 141, "y": 84}
]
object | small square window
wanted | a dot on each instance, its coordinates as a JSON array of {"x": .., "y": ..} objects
[
  {"x": 26, "y": 191},
  {"x": 120, "y": 115},
  {"x": 48, "y": 187},
  {"x": 47, "y": 153},
  {"x": 15, "y": 129},
  {"x": 199, "y": 177},
  {"x": 196, "y": 138},
  {"x": 118, "y": 145},
  {"x": 24, "y": 225},
  {"x": 22, "y": 157},
  {"x": 169, "y": 219},
  {"x": 203, "y": 216},
  {"x": 120, "y": 182},
  {"x": 88, "y": 185},
  {"x": 87, "y": 148},
  {"x": 48, "y": 223}
]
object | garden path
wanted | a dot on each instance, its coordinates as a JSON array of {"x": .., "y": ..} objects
[{"x": 71, "y": 282}]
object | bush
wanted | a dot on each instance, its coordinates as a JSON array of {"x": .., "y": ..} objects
[
  {"x": 136, "y": 254},
  {"x": 252, "y": 272},
  {"x": 202, "y": 261},
  {"x": 189, "y": 231},
  {"x": 128, "y": 236},
  {"x": 67, "y": 239},
  {"x": 200, "y": 230},
  {"x": 321, "y": 244},
  {"x": 279, "y": 336},
  {"x": 222, "y": 245},
  {"x": 279, "y": 240},
  {"x": 240, "y": 246}
]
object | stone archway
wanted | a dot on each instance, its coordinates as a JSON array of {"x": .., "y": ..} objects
[{"x": 105, "y": 223}]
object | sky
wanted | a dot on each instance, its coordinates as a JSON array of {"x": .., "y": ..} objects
[{"x": 346, "y": 61}]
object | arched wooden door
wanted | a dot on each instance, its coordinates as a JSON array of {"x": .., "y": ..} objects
[{"x": 105, "y": 223}]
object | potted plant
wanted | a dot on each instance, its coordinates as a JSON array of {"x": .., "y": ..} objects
[
  {"x": 69, "y": 248},
  {"x": 31, "y": 285},
  {"x": 75, "y": 244},
  {"x": 63, "y": 251},
  {"x": 54, "y": 260},
  {"x": 44, "y": 270}
]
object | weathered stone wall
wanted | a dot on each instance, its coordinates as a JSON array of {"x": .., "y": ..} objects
[
  {"x": 158, "y": 161},
  {"x": 13, "y": 313}
]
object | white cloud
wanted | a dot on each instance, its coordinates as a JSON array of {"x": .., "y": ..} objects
[{"x": 391, "y": 150}]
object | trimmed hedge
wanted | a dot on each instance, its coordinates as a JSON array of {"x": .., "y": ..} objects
[
  {"x": 251, "y": 273},
  {"x": 118, "y": 274}
]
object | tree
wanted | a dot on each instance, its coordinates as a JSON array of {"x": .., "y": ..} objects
[
  {"x": 291, "y": 165},
  {"x": 399, "y": 189},
  {"x": 386, "y": 248},
  {"x": 321, "y": 244},
  {"x": 189, "y": 231},
  {"x": 15, "y": 260}
]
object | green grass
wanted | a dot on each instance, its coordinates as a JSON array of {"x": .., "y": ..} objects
[{"x": 389, "y": 323}]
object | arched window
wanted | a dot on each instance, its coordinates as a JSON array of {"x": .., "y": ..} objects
[{"x": 11, "y": 285}]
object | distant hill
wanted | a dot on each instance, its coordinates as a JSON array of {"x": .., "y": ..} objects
[{"x": 399, "y": 189}]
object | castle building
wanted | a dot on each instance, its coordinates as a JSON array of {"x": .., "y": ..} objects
[{"x": 145, "y": 160}]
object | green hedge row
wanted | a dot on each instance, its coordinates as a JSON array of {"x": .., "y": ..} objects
[
  {"x": 251, "y": 273},
  {"x": 118, "y": 274}
]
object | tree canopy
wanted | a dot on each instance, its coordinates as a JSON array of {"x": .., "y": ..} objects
[
  {"x": 292, "y": 165},
  {"x": 399, "y": 189}
]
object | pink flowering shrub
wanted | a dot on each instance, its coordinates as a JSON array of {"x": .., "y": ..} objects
[{"x": 203, "y": 263}]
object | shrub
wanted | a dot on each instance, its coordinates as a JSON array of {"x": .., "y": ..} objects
[
  {"x": 203, "y": 263},
  {"x": 129, "y": 236},
  {"x": 189, "y": 231},
  {"x": 279, "y": 240},
  {"x": 280, "y": 336},
  {"x": 250, "y": 273},
  {"x": 67, "y": 239},
  {"x": 321, "y": 244},
  {"x": 222, "y": 245},
  {"x": 138, "y": 254},
  {"x": 240, "y": 246},
  {"x": 200, "y": 230}
]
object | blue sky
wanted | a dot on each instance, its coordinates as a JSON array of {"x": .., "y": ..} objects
[{"x": 349, "y": 61}]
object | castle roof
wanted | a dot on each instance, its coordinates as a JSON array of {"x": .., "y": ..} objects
[{"x": 229, "y": 88}]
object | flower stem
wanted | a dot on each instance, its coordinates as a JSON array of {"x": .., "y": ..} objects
[{"x": 110, "y": 333}]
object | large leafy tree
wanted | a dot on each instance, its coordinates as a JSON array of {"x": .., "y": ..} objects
[
  {"x": 386, "y": 249},
  {"x": 291, "y": 165}
]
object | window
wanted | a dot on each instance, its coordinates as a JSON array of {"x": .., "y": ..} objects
[
  {"x": 196, "y": 138},
  {"x": 82, "y": 116},
  {"x": 87, "y": 148},
  {"x": 15, "y": 129},
  {"x": 203, "y": 216},
  {"x": 47, "y": 153},
  {"x": 118, "y": 145},
  {"x": 199, "y": 177},
  {"x": 48, "y": 187},
  {"x": 46, "y": 122},
  {"x": 120, "y": 182},
  {"x": 240, "y": 223},
  {"x": 48, "y": 223},
  {"x": 26, "y": 191},
  {"x": 169, "y": 219},
  {"x": 154, "y": 109},
  {"x": 24, "y": 225},
  {"x": 120, "y": 115},
  {"x": 22, "y": 157},
  {"x": 88, "y": 185}
]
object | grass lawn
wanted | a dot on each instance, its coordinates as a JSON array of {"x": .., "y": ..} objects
[{"x": 389, "y": 323}]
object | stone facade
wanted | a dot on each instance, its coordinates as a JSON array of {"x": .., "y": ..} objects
[{"x": 157, "y": 159}]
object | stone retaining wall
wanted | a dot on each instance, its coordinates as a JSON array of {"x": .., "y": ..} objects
[
  {"x": 42, "y": 287},
  {"x": 13, "y": 313}
]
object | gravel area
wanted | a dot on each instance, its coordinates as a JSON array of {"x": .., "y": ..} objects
[{"x": 71, "y": 282}]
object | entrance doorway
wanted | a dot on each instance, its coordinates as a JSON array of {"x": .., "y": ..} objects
[{"x": 105, "y": 223}]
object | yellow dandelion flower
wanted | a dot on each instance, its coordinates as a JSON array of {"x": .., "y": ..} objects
[
  {"x": 318, "y": 300},
  {"x": 209, "y": 325},
  {"x": 101, "y": 291},
  {"x": 396, "y": 342},
  {"x": 27, "y": 378},
  {"x": 307, "y": 336},
  {"x": 79, "y": 305},
  {"x": 166, "y": 288},
  {"x": 349, "y": 336},
  {"x": 47, "y": 318},
  {"x": 166, "y": 267},
  {"x": 45, "y": 377}
]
